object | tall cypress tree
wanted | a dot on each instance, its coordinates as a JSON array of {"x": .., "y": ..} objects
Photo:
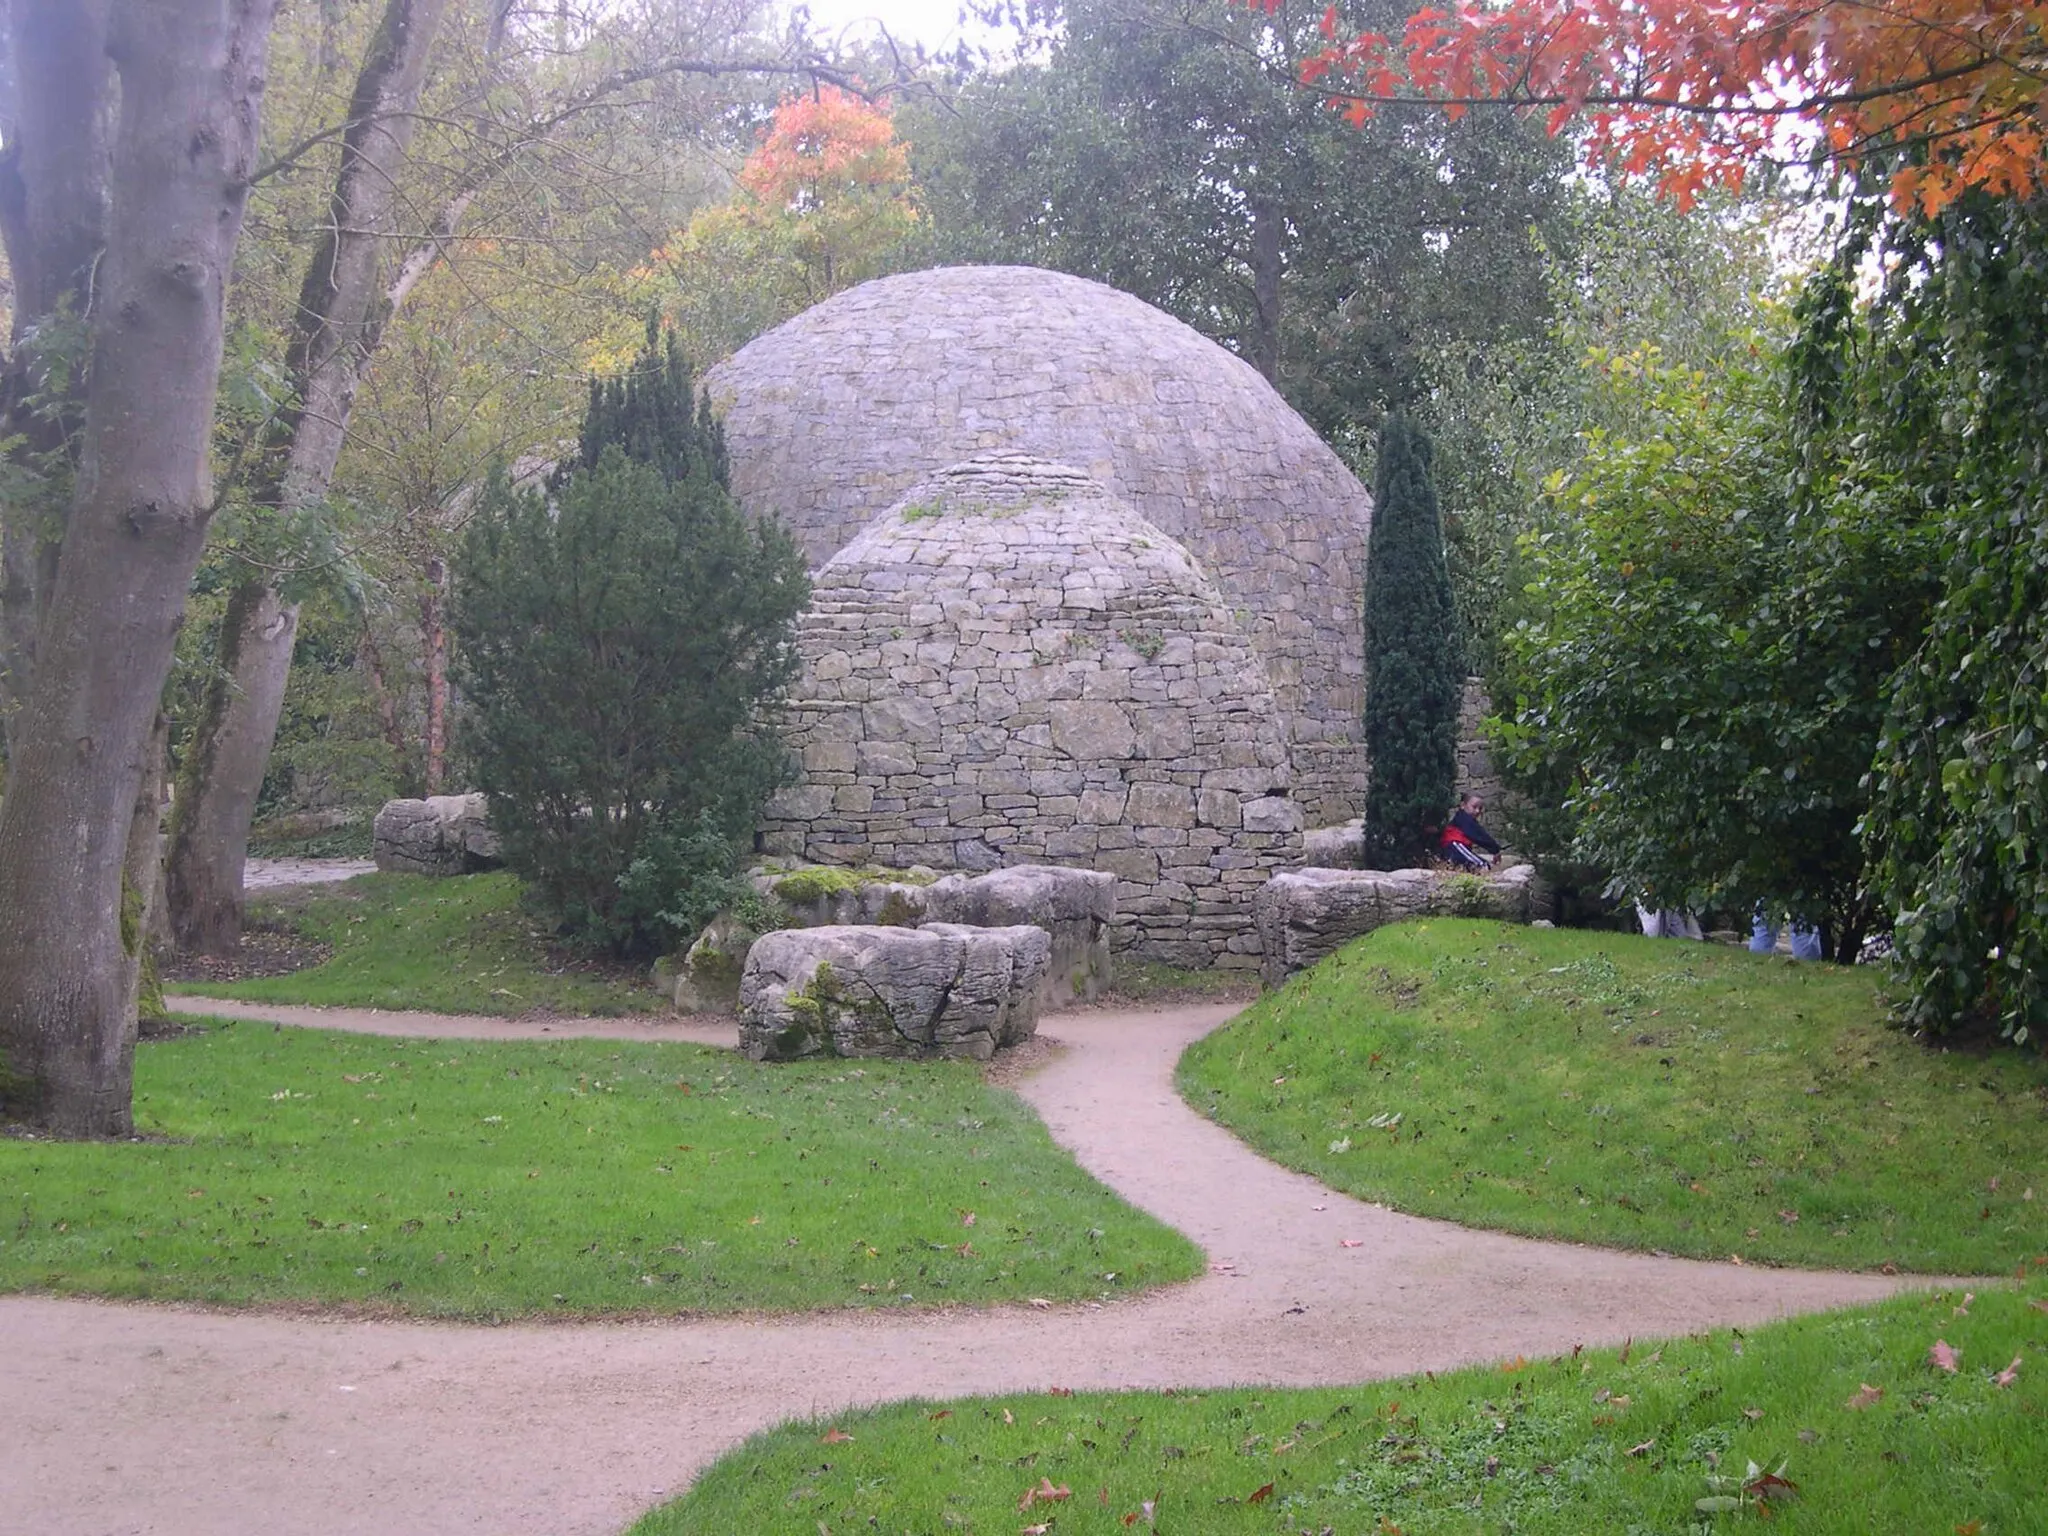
[{"x": 1412, "y": 673}]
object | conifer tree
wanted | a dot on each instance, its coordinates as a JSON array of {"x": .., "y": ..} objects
[
  {"x": 1412, "y": 673},
  {"x": 623, "y": 640}
]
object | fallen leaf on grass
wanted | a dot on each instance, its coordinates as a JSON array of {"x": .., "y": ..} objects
[
  {"x": 2009, "y": 1375},
  {"x": 967, "y": 1218},
  {"x": 1007, "y": 1419},
  {"x": 943, "y": 1413},
  {"x": 1769, "y": 1487},
  {"x": 1643, "y": 1449},
  {"x": 1260, "y": 1494},
  {"x": 1035, "y": 1530},
  {"x": 1045, "y": 1493},
  {"x": 1969, "y": 1528},
  {"x": 1964, "y": 1309},
  {"x": 1865, "y": 1396},
  {"x": 1752, "y": 1414},
  {"x": 1059, "y": 1391},
  {"x": 2038, "y": 1304},
  {"x": 834, "y": 1436},
  {"x": 1943, "y": 1354}
]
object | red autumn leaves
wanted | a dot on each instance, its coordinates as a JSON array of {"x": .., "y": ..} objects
[{"x": 1698, "y": 93}]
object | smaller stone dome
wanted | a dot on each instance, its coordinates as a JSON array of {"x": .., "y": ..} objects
[{"x": 1011, "y": 666}]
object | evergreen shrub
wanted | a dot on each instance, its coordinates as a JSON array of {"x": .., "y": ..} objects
[{"x": 623, "y": 641}]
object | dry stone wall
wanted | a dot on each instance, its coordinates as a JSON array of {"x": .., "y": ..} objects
[
  {"x": 1011, "y": 666},
  {"x": 832, "y": 416}
]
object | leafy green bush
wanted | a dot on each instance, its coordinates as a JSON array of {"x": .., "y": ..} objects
[
  {"x": 1701, "y": 692},
  {"x": 623, "y": 641},
  {"x": 1412, "y": 674}
]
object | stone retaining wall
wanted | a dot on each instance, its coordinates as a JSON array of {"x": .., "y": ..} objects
[{"x": 1306, "y": 914}]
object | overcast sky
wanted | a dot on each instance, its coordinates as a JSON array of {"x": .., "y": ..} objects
[{"x": 934, "y": 23}]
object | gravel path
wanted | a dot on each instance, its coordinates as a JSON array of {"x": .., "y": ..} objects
[
  {"x": 260, "y": 874},
  {"x": 119, "y": 1419}
]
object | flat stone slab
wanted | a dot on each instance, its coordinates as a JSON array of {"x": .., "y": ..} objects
[
  {"x": 943, "y": 989},
  {"x": 1075, "y": 907},
  {"x": 1306, "y": 914}
]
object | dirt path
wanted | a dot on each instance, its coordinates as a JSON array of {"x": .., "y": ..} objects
[{"x": 132, "y": 1419}]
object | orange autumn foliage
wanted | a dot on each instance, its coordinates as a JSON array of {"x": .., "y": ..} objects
[
  {"x": 1695, "y": 93},
  {"x": 829, "y": 143}
]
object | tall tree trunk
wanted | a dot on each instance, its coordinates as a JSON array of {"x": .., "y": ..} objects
[
  {"x": 339, "y": 321},
  {"x": 53, "y": 188},
  {"x": 141, "y": 882},
  {"x": 224, "y": 770},
  {"x": 191, "y": 76},
  {"x": 1269, "y": 262},
  {"x": 434, "y": 634},
  {"x": 371, "y": 655}
]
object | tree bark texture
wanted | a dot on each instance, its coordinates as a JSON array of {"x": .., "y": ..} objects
[
  {"x": 224, "y": 770},
  {"x": 191, "y": 77},
  {"x": 371, "y": 656},
  {"x": 1269, "y": 262},
  {"x": 140, "y": 884},
  {"x": 434, "y": 639},
  {"x": 338, "y": 323},
  {"x": 53, "y": 187}
]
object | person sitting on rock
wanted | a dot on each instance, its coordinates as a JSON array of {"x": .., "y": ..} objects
[{"x": 1464, "y": 843}]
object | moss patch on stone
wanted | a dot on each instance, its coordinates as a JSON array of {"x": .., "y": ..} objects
[{"x": 815, "y": 882}]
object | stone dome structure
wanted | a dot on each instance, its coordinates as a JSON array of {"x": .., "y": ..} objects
[
  {"x": 832, "y": 416},
  {"x": 1012, "y": 666}
]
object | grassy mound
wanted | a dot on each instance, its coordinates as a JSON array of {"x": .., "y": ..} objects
[
  {"x": 460, "y": 945},
  {"x": 1857, "y": 1425},
  {"x": 450, "y": 1178},
  {"x": 1638, "y": 1093}
]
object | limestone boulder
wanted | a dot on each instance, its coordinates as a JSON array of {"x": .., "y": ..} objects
[
  {"x": 1340, "y": 847},
  {"x": 1075, "y": 908},
  {"x": 1306, "y": 914},
  {"x": 846, "y": 990},
  {"x": 441, "y": 835},
  {"x": 830, "y": 895},
  {"x": 706, "y": 977}
]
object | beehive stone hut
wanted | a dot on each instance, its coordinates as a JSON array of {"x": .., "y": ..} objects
[
  {"x": 833, "y": 416},
  {"x": 1012, "y": 666}
]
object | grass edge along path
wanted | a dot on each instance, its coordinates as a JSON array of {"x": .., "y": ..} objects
[
  {"x": 1637, "y": 1093},
  {"x": 461, "y": 944},
  {"x": 1928, "y": 1413},
  {"x": 498, "y": 1180}
]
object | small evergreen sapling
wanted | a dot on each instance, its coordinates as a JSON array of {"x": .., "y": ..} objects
[
  {"x": 1413, "y": 679},
  {"x": 624, "y": 639}
]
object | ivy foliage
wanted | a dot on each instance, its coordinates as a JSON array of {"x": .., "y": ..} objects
[
  {"x": 1951, "y": 417},
  {"x": 623, "y": 640},
  {"x": 1413, "y": 679}
]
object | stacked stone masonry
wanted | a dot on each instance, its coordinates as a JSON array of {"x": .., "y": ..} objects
[
  {"x": 834, "y": 415},
  {"x": 1011, "y": 666}
]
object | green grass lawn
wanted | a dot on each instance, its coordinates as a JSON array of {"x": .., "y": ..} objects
[
  {"x": 460, "y": 945},
  {"x": 1637, "y": 1093},
  {"x": 452, "y": 1178},
  {"x": 1876, "y": 1436}
]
